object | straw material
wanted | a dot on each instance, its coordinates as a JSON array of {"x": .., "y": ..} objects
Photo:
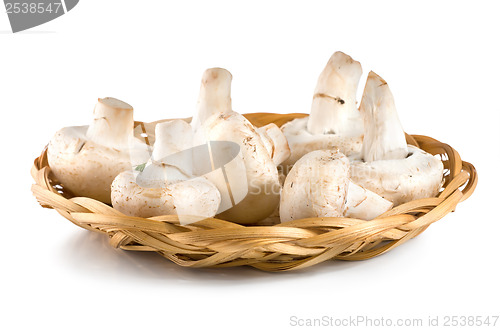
[{"x": 281, "y": 247}]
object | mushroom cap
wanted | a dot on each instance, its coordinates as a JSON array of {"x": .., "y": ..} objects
[
  {"x": 302, "y": 142},
  {"x": 262, "y": 180},
  {"x": 316, "y": 186},
  {"x": 86, "y": 168},
  {"x": 195, "y": 197},
  {"x": 419, "y": 175}
]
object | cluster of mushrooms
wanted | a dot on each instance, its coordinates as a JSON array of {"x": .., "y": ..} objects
[{"x": 340, "y": 161}]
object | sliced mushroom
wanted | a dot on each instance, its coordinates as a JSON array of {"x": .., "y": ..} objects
[
  {"x": 166, "y": 185},
  {"x": 275, "y": 142},
  {"x": 334, "y": 120},
  {"x": 364, "y": 204},
  {"x": 386, "y": 164},
  {"x": 86, "y": 159},
  {"x": 318, "y": 185}
]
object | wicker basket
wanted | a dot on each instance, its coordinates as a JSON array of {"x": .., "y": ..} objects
[{"x": 292, "y": 245}]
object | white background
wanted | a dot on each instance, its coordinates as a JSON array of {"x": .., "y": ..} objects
[{"x": 441, "y": 61}]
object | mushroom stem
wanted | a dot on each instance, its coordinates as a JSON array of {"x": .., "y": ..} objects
[
  {"x": 172, "y": 137},
  {"x": 113, "y": 124},
  {"x": 275, "y": 142},
  {"x": 215, "y": 95},
  {"x": 167, "y": 165},
  {"x": 384, "y": 136},
  {"x": 333, "y": 109}
]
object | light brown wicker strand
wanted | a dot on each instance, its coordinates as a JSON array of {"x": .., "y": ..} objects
[{"x": 292, "y": 245}]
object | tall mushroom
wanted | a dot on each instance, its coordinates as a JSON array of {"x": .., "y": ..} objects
[
  {"x": 86, "y": 159},
  {"x": 167, "y": 185},
  {"x": 216, "y": 121},
  {"x": 318, "y": 185},
  {"x": 334, "y": 120},
  {"x": 214, "y": 96},
  {"x": 386, "y": 164}
]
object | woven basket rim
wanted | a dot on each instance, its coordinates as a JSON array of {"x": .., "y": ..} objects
[{"x": 286, "y": 246}]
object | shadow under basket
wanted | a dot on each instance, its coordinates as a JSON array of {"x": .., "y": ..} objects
[{"x": 281, "y": 247}]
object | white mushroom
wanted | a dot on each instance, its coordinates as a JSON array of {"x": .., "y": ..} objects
[
  {"x": 275, "y": 142},
  {"x": 386, "y": 164},
  {"x": 168, "y": 164},
  {"x": 334, "y": 107},
  {"x": 86, "y": 159},
  {"x": 166, "y": 185},
  {"x": 334, "y": 120},
  {"x": 364, "y": 204},
  {"x": 318, "y": 185},
  {"x": 217, "y": 122}
]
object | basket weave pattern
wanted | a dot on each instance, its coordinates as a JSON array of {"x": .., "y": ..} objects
[{"x": 291, "y": 245}]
